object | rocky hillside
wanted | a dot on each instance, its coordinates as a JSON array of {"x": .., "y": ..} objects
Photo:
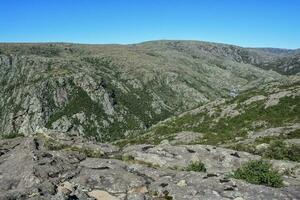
[
  {"x": 110, "y": 91},
  {"x": 263, "y": 121},
  {"x": 287, "y": 65},
  {"x": 50, "y": 165}
]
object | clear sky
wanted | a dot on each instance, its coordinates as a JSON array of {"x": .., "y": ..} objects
[{"x": 255, "y": 23}]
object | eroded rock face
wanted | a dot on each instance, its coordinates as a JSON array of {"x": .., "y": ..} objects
[{"x": 57, "y": 167}]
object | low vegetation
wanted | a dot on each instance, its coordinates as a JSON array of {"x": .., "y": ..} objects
[
  {"x": 127, "y": 157},
  {"x": 54, "y": 145},
  {"x": 89, "y": 152},
  {"x": 11, "y": 135},
  {"x": 259, "y": 172},
  {"x": 276, "y": 147},
  {"x": 218, "y": 129},
  {"x": 196, "y": 167},
  {"x": 282, "y": 151}
]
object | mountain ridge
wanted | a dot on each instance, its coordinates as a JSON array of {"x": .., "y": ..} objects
[{"x": 131, "y": 87}]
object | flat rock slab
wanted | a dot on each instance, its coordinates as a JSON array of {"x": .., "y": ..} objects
[
  {"x": 28, "y": 170},
  {"x": 216, "y": 160},
  {"x": 102, "y": 195}
]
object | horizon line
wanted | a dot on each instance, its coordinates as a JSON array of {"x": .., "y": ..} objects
[{"x": 146, "y": 41}]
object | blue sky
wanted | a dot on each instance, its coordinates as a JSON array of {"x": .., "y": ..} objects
[{"x": 255, "y": 23}]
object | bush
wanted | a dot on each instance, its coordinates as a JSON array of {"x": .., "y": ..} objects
[
  {"x": 196, "y": 167},
  {"x": 277, "y": 150},
  {"x": 92, "y": 153},
  {"x": 127, "y": 157},
  {"x": 281, "y": 151},
  {"x": 294, "y": 153},
  {"x": 54, "y": 145},
  {"x": 259, "y": 172}
]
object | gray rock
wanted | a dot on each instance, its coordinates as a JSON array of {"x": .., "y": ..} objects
[
  {"x": 186, "y": 137},
  {"x": 218, "y": 160},
  {"x": 30, "y": 170}
]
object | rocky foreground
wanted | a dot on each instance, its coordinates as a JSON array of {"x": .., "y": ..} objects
[{"x": 53, "y": 166}]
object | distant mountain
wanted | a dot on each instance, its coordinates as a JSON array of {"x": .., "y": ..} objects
[
  {"x": 287, "y": 65},
  {"x": 277, "y": 51},
  {"x": 110, "y": 91}
]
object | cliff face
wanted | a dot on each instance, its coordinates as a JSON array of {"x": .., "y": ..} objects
[{"x": 110, "y": 91}]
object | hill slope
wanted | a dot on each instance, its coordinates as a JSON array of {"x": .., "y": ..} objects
[
  {"x": 109, "y": 91},
  {"x": 264, "y": 120}
]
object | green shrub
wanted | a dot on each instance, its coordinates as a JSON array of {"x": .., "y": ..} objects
[
  {"x": 89, "y": 152},
  {"x": 196, "y": 167},
  {"x": 259, "y": 172},
  {"x": 127, "y": 157},
  {"x": 294, "y": 153},
  {"x": 54, "y": 145},
  {"x": 281, "y": 151},
  {"x": 277, "y": 150},
  {"x": 92, "y": 153}
]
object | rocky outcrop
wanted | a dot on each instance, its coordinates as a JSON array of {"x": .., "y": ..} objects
[{"x": 53, "y": 166}]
